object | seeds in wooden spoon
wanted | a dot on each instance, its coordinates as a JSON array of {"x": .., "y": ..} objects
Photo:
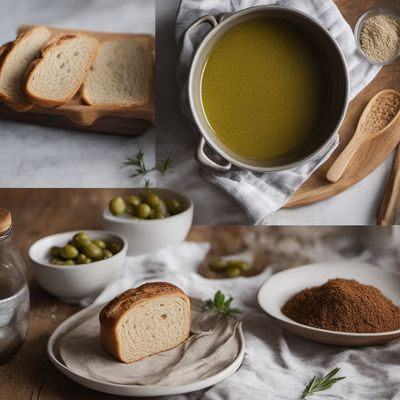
[{"x": 382, "y": 112}]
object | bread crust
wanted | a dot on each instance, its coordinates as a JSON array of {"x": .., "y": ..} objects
[
  {"x": 5, "y": 52},
  {"x": 52, "y": 44},
  {"x": 87, "y": 100},
  {"x": 111, "y": 314}
]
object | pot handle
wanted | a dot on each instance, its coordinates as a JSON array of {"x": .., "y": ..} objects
[
  {"x": 206, "y": 161},
  {"x": 210, "y": 19}
]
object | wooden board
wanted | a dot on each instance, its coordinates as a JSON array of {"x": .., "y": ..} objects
[
  {"x": 318, "y": 188},
  {"x": 76, "y": 115}
]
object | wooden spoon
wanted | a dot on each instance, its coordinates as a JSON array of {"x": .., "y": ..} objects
[
  {"x": 390, "y": 206},
  {"x": 377, "y": 118}
]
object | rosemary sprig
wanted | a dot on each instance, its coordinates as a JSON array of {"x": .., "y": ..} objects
[
  {"x": 138, "y": 163},
  {"x": 140, "y": 167},
  {"x": 220, "y": 305},
  {"x": 147, "y": 184},
  {"x": 318, "y": 385},
  {"x": 164, "y": 165}
]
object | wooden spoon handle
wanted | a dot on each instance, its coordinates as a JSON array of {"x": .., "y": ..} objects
[
  {"x": 390, "y": 204},
  {"x": 336, "y": 170}
]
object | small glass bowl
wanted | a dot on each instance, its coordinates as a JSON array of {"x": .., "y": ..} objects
[{"x": 393, "y": 12}]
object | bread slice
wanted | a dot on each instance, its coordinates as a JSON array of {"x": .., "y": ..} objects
[
  {"x": 17, "y": 57},
  {"x": 121, "y": 74},
  {"x": 4, "y": 50},
  {"x": 55, "y": 77},
  {"x": 141, "y": 322}
]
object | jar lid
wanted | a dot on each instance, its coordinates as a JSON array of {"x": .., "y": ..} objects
[{"x": 5, "y": 220}]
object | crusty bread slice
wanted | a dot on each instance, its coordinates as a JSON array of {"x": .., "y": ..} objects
[
  {"x": 121, "y": 74},
  {"x": 55, "y": 77},
  {"x": 18, "y": 55},
  {"x": 4, "y": 50},
  {"x": 141, "y": 322}
]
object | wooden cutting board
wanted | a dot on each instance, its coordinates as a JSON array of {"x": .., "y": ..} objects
[
  {"x": 372, "y": 154},
  {"x": 76, "y": 115}
]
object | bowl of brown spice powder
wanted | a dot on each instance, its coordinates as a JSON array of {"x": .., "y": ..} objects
[
  {"x": 377, "y": 35},
  {"x": 341, "y": 303}
]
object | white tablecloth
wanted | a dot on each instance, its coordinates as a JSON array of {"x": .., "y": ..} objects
[{"x": 277, "y": 365}]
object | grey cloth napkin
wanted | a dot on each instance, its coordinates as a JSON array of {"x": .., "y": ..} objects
[
  {"x": 213, "y": 345},
  {"x": 261, "y": 194}
]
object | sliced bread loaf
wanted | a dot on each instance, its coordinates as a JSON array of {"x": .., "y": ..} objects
[
  {"x": 55, "y": 77},
  {"x": 121, "y": 74},
  {"x": 141, "y": 322},
  {"x": 18, "y": 55}
]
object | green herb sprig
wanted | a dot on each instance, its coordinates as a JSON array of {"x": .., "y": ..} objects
[
  {"x": 221, "y": 305},
  {"x": 318, "y": 385},
  {"x": 137, "y": 163},
  {"x": 164, "y": 165},
  {"x": 140, "y": 168},
  {"x": 147, "y": 184}
]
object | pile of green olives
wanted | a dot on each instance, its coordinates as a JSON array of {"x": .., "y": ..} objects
[
  {"x": 148, "y": 205},
  {"x": 230, "y": 268},
  {"x": 81, "y": 249}
]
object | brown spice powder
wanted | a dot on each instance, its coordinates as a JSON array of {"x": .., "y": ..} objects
[
  {"x": 345, "y": 306},
  {"x": 380, "y": 38},
  {"x": 382, "y": 112}
]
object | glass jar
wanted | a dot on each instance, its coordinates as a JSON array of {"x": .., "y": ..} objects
[{"x": 14, "y": 292}]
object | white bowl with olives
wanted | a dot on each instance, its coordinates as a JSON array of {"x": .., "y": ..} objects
[
  {"x": 149, "y": 219},
  {"x": 77, "y": 265}
]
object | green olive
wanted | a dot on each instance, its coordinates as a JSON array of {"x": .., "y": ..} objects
[
  {"x": 133, "y": 200},
  {"x": 92, "y": 251},
  {"x": 101, "y": 244},
  {"x": 158, "y": 214},
  {"x": 69, "y": 252},
  {"x": 107, "y": 254},
  {"x": 57, "y": 261},
  {"x": 117, "y": 206},
  {"x": 174, "y": 206},
  {"x": 143, "y": 211},
  {"x": 69, "y": 262},
  {"x": 218, "y": 265},
  {"x": 81, "y": 239},
  {"x": 242, "y": 265},
  {"x": 153, "y": 200},
  {"x": 55, "y": 251},
  {"x": 82, "y": 259},
  {"x": 130, "y": 210},
  {"x": 114, "y": 247},
  {"x": 232, "y": 272}
]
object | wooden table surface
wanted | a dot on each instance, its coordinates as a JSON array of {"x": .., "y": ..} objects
[{"x": 37, "y": 213}]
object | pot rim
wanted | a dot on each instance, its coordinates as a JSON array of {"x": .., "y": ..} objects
[{"x": 192, "y": 78}]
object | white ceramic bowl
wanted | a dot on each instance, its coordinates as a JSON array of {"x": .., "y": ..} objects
[
  {"x": 73, "y": 283},
  {"x": 280, "y": 287},
  {"x": 144, "y": 236}
]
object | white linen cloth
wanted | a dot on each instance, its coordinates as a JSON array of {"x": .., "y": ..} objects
[
  {"x": 261, "y": 194},
  {"x": 277, "y": 364}
]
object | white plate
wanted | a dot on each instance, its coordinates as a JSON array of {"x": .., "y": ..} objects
[
  {"x": 280, "y": 287},
  {"x": 129, "y": 390}
]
